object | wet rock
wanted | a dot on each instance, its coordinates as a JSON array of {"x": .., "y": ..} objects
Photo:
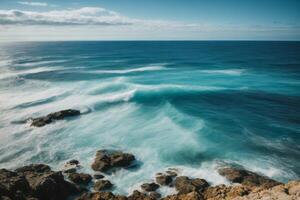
[
  {"x": 80, "y": 178},
  {"x": 98, "y": 176},
  {"x": 155, "y": 195},
  {"x": 148, "y": 187},
  {"x": 42, "y": 121},
  {"x": 101, "y": 196},
  {"x": 137, "y": 195},
  {"x": 73, "y": 162},
  {"x": 103, "y": 185},
  {"x": 34, "y": 168},
  {"x": 186, "y": 185},
  {"x": 247, "y": 178},
  {"x": 35, "y": 182},
  {"x": 71, "y": 166},
  {"x": 106, "y": 160},
  {"x": 11, "y": 182},
  {"x": 188, "y": 196},
  {"x": 171, "y": 173},
  {"x": 164, "y": 179}
]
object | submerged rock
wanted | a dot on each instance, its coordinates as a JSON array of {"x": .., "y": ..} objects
[
  {"x": 247, "y": 178},
  {"x": 103, "y": 185},
  {"x": 35, "y": 182},
  {"x": 106, "y": 160},
  {"x": 42, "y": 121},
  {"x": 186, "y": 185}
]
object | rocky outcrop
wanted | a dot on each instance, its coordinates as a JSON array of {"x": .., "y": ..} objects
[
  {"x": 289, "y": 191},
  {"x": 103, "y": 185},
  {"x": 247, "y": 178},
  {"x": 163, "y": 179},
  {"x": 137, "y": 195},
  {"x": 42, "y": 121},
  {"x": 186, "y": 185},
  {"x": 149, "y": 187},
  {"x": 107, "y": 160},
  {"x": 188, "y": 196},
  {"x": 80, "y": 178},
  {"x": 101, "y": 196},
  {"x": 222, "y": 192},
  {"x": 35, "y": 182}
]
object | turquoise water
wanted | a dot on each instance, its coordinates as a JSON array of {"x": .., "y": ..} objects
[{"x": 190, "y": 105}]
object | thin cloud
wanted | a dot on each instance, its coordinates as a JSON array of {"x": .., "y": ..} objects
[
  {"x": 82, "y": 16},
  {"x": 27, "y": 3}
]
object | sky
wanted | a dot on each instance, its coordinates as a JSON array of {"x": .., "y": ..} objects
[{"x": 56, "y": 20}]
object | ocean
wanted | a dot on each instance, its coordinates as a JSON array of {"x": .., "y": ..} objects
[{"x": 190, "y": 105}]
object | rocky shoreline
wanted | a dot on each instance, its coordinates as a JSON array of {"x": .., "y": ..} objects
[{"x": 39, "y": 182}]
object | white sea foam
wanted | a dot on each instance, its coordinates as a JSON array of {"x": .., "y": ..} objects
[
  {"x": 126, "y": 71},
  {"x": 233, "y": 72}
]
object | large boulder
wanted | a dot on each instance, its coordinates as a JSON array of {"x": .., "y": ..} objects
[
  {"x": 11, "y": 182},
  {"x": 186, "y": 185},
  {"x": 80, "y": 178},
  {"x": 247, "y": 178},
  {"x": 42, "y": 121},
  {"x": 106, "y": 160},
  {"x": 35, "y": 182},
  {"x": 148, "y": 187},
  {"x": 163, "y": 179},
  {"x": 103, "y": 185}
]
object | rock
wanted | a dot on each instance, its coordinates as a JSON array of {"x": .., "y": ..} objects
[
  {"x": 106, "y": 160},
  {"x": 247, "y": 178},
  {"x": 80, "y": 178},
  {"x": 34, "y": 168},
  {"x": 35, "y": 182},
  {"x": 163, "y": 179},
  {"x": 171, "y": 173},
  {"x": 103, "y": 185},
  {"x": 73, "y": 162},
  {"x": 290, "y": 191},
  {"x": 148, "y": 187},
  {"x": 137, "y": 195},
  {"x": 154, "y": 195},
  {"x": 42, "y": 121},
  {"x": 71, "y": 166},
  {"x": 11, "y": 182},
  {"x": 186, "y": 185},
  {"x": 101, "y": 196},
  {"x": 188, "y": 196},
  {"x": 221, "y": 192},
  {"x": 98, "y": 176}
]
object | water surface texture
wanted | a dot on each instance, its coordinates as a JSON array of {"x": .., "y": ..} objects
[{"x": 190, "y": 105}]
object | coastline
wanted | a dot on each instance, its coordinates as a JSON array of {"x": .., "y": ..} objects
[{"x": 39, "y": 182}]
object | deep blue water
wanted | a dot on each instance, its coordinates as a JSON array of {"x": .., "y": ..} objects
[{"x": 190, "y": 105}]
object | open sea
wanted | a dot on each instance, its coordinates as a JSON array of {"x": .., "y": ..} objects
[{"x": 194, "y": 106}]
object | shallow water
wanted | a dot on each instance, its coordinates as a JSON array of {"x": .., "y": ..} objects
[{"x": 190, "y": 105}]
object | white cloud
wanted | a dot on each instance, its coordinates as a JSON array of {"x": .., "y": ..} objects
[
  {"x": 27, "y": 3},
  {"x": 82, "y": 16},
  {"x": 96, "y": 23}
]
